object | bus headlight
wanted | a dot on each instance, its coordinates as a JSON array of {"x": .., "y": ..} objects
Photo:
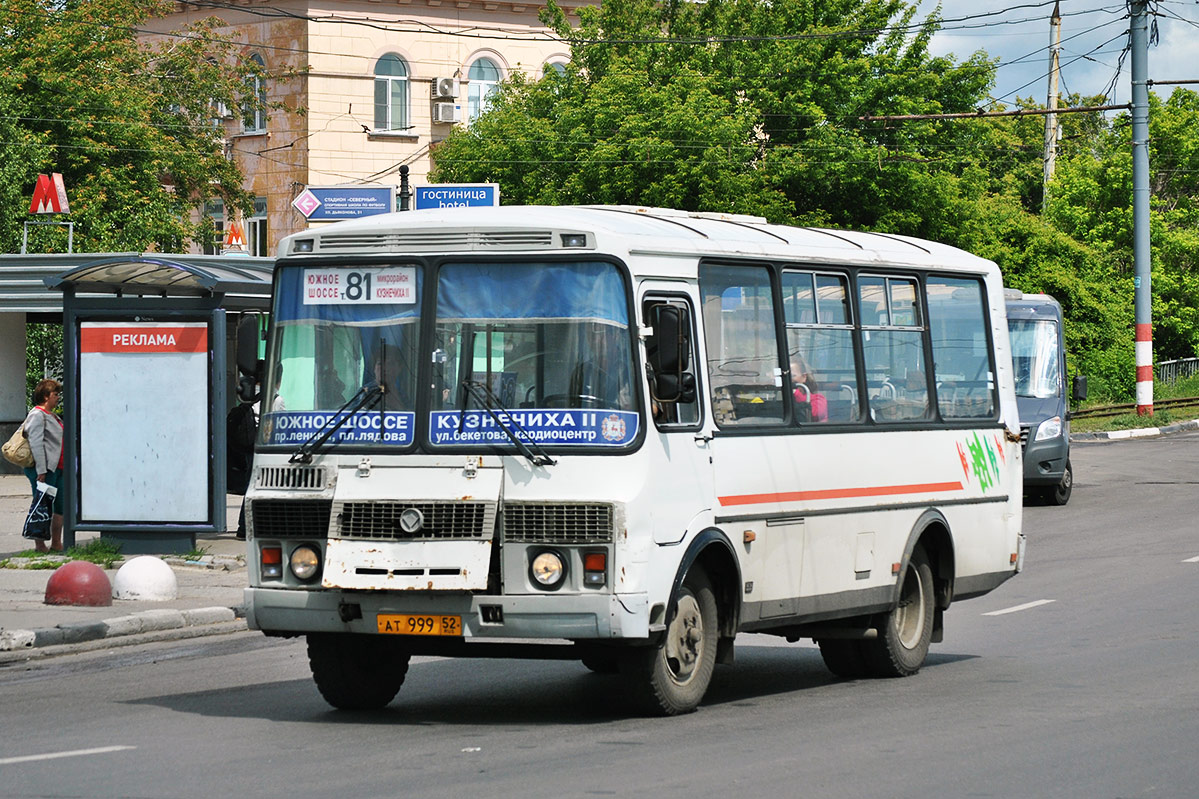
[
  {"x": 548, "y": 569},
  {"x": 1050, "y": 428},
  {"x": 305, "y": 562}
]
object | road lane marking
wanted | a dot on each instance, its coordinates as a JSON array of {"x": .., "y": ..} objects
[
  {"x": 1017, "y": 608},
  {"x": 1192, "y": 560},
  {"x": 99, "y": 750}
]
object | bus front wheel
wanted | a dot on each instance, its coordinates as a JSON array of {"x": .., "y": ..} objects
[
  {"x": 905, "y": 633},
  {"x": 672, "y": 678},
  {"x": 356, "y": 672}
]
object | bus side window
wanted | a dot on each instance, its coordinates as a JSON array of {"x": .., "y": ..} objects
[
  {"x": 961, "y": 356},
  {"x": 742, "y": 345},
  {"x": 893, "y": 348},
  {"x": 673, "y": 397}
]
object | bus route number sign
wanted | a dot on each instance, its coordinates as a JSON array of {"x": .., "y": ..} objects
[{"x": 392, "y": 285}]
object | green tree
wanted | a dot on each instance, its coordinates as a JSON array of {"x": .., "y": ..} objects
[{"x": 129, "y": 124}]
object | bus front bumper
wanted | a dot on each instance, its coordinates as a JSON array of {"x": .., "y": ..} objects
[{"x": 540, "y": 616}]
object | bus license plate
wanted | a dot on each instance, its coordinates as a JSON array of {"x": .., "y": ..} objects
[{"x": 408, "y": 624}]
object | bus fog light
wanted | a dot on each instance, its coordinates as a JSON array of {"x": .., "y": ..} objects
[
  {"x": 595, "y": 568},
  {"x": 305, "y": 562},
  {"x": 548, "y": 568},
  {"x": 271, "y": 562}
]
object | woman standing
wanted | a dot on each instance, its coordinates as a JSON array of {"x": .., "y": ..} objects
[{"x": 44, "y": 431}]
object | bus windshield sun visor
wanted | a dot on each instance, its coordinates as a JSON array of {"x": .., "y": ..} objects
[
  {"x": 365, "y": 397},
  {"x": 502, "y": 416}
]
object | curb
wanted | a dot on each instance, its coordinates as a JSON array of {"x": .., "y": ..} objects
[
  {"x": 146, "y": 621},
  {"x": 1140, "y": 432}
]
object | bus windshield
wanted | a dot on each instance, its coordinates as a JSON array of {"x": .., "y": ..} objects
[
  {"x": 1035, "y": 357},
  {"x": 340, "y": 331},
  {"x": 542, "y": 348}
]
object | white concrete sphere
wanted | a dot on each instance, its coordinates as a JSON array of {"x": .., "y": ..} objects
[{"x": 145, "y": 577}]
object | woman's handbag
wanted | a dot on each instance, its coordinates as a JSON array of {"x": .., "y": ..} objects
[
  {"x": 16, "y": 450},
  {"x": 37, "y": 523}
]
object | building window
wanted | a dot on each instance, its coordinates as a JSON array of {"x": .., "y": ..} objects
[
  {"x": 256, "y": 231},
  {"x": 554, "y": 66},
  {"x": 254, "y": 112},
  {"x": 391, "y": 93},
  {"x": 214, "y": 236},
  {"x": 484, "y": 77}
]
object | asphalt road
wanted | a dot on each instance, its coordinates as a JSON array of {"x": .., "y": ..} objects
[{"x": 1090, "y": 690}]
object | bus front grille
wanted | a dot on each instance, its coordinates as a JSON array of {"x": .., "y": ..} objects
[
  {"x": 301, "y": 477},
  {"x": 441, "y": 520},
  {"x": 557, "y": 523},
  {"x": 290, "y": 518},
  {"x": 1024, "y": 434}
]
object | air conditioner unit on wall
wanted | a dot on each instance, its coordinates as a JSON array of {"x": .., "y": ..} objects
[
  {"x": 447, "y": 112},
  {"x": 445, "y": 87}
]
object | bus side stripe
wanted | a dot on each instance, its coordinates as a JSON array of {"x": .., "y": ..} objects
[{"x": 840, "y": 493}]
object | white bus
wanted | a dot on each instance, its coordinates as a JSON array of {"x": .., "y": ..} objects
[{"x": 623, "y": 436}]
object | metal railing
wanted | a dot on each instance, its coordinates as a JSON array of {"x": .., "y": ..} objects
[{"x": 1173, "y": 371}]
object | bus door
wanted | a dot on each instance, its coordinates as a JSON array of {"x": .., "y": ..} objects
[
  {"x": 681, "y": 463},
  {"x": 756, "y": 471}
]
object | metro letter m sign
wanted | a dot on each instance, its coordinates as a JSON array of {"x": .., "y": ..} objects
[{"x": 49, "y": 196}]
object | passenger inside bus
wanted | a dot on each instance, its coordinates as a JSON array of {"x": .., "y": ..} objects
[{"x": 810, "y": 404}]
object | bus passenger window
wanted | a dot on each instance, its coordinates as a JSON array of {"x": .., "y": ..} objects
[
  {"x": 823, "y": 370},
  {"x": 742, "y": 342},
  {"x": 961, "y": 357},
  {"x": 893, "y": 348}
]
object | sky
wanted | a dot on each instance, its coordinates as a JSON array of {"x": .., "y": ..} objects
[{"x": 1094, "y": 33}]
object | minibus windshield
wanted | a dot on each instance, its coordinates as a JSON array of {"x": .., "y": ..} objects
[
  {"x": 338, "y": 331},
  {"x": 552, "y": 344},
  {"x": 1035, "y": 357}
]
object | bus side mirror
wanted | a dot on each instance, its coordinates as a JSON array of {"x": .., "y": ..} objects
[
  {"x": 669, "y": 351},
  {"x": 1079, "y": 390},
  {"x": 249, "y": 365}
]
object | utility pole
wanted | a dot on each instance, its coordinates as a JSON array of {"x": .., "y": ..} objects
[
  {"x": 1055, "y": 47},
  {"x": 1143, "y": 297}
]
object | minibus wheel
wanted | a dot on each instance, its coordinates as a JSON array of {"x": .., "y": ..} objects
[
  {"x": 843, "y": 657},
  {"x": 356, "y": 672},
  {"x": 1060, "y": 493},
  {"x": 672, "y": 677},
  {"x": 905, "y": 632}
]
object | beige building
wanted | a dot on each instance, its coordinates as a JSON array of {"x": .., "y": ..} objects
[{"x": 380, "y": 83}]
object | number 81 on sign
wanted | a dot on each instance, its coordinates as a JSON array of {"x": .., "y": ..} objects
[{"x": 392, "y": 285}]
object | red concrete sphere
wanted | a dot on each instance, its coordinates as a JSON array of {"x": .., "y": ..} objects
[{"x": 79, "y": 583}]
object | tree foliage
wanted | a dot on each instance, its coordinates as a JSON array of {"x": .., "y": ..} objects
[
  {"x": 762, "y": 107},
  {"x": 130, "y": 125}
]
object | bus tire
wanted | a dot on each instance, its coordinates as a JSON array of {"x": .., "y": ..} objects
[
  {"x": 356, "y": 672},
  {"x": 602, "y": 662},
  {"x": 843, "y": 657},
  {"x": 1060, "y": 493},
  {"x": 905, "y": 632},
  {"x": 671, "y": 679}
]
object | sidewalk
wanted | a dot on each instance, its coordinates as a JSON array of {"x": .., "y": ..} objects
[{"x": 209, "y": 598}]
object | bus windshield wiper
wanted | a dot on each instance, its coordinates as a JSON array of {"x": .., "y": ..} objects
[
  {"x": 487, "y": 398},
  {"x": 364, "y": 396}
]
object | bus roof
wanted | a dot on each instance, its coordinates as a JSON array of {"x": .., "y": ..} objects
[
  {"x": 1031, "y": 306},
  {"x": 617, "y": 230}
]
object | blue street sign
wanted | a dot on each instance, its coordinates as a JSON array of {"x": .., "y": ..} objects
[
  {"x": 457, "y": 195},
  {"x": 345, "y": 202}
]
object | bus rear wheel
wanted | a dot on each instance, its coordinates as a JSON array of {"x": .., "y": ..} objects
[
  {"x": 356, "y": 672},
  {"x": 904, "y": 634},
  {"x": 843, "y": 657},
  {"x": 672, "y": 678}
]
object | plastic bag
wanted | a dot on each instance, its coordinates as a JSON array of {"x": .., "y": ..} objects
[{"x": 37, "y": 522}]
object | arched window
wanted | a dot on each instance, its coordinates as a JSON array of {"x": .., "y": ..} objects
[
  {"x": 554, "y": 66},
  {"x": 391, "y": 93},
  {"x": 484, "y": 78},
  {"x": 254, "y": 113}
]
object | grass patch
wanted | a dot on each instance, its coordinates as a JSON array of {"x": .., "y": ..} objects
[
  {"x": 100, "y": 551},
  {"x": 195, "y": 554}
]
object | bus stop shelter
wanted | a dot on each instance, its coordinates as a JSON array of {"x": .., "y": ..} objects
[{"x": 147, "y": 343}]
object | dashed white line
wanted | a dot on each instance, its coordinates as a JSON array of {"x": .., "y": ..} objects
[
  {"x": 99, "y": 750},
  {"x": 1192, "y": 560},
  {"x": 1017, "y": 608}
]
